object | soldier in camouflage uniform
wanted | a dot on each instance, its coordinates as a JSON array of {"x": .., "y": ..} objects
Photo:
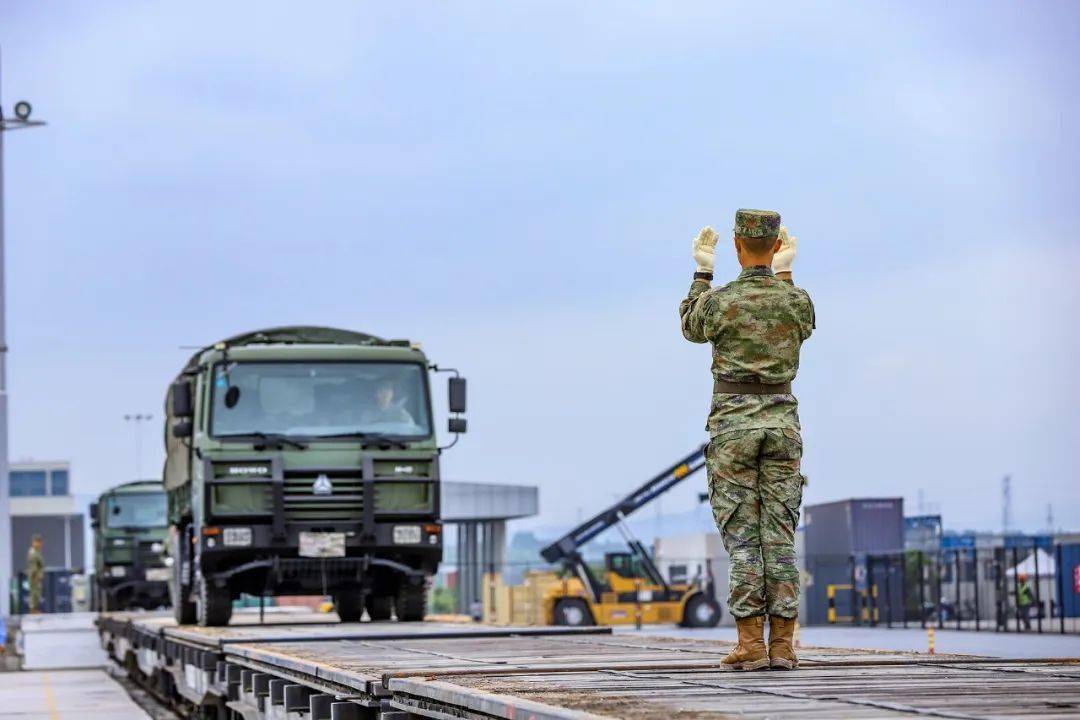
[
  {"x": 35, "y": 573},
  {"x": 756, "y": 324}
]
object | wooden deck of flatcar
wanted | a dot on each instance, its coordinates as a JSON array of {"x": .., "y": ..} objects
[
  {"x": 970, "y": 690},
  {"x": 393, "y": 671}
]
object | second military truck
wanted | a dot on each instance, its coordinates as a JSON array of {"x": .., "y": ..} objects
[
  {"x": 130, "y": 525},
  {"x": 303, "y": 460}
]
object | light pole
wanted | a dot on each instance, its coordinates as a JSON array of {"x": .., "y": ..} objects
[
  {"x": 20, "y": 121},
  {"x": 137, "y": 420}
]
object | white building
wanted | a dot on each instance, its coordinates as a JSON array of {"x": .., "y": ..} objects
[{"x": 42, "y": 503}]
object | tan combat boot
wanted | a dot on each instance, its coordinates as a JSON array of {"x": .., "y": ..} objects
[
  {"x": 750, "y": 653},
  {"x": 781, "y": 651}
]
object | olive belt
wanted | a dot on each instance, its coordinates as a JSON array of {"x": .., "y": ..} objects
[{"x": 724, "y": 387}]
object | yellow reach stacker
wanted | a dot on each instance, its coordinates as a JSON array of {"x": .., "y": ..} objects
[{"x": 632, "y": 589}]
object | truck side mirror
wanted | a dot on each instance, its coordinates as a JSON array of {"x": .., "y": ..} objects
[
  {"x": 94, "y": 515},
  {"x": 456, "y": 386},
  {"x": 181, "y": 399},
  {"x": 457, "y": 425},
  {"x": 182, "y": 429}
]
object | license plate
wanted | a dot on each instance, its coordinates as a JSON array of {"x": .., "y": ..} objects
[
  {"x": 322, "y": 544},
  {"x": 118, "y": 571},
  {"x": 237, "y": 536},
  {"x": 157, "y": 574},
  {"x": 406, "y": 534}
]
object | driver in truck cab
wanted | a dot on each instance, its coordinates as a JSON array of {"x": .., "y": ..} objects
[{"x": 385, "y": 409}]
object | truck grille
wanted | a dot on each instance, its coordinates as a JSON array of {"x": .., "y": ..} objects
[
  {"x": 149, "y": 558},
  {"x": 345, "y": 503}
]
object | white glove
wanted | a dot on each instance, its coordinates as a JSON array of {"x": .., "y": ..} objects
[
  {"x": 705, "y": 249},
  {"x": 785, "y": 256}
]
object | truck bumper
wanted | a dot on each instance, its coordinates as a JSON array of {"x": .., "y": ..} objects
[{"x": 275, "y": 561}]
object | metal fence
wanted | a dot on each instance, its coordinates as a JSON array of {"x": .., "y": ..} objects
[{"x": 1032, "y": 588}]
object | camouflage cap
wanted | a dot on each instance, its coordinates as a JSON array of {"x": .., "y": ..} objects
[{"x": 757, "y": 223}]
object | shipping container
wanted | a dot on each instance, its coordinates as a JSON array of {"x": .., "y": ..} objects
[
  {"x": 839, "y": 536},
  {"x": 1068, "y": 579},
  {"x": 55, "y": 592},
  {"x": 851, "y": 527}
]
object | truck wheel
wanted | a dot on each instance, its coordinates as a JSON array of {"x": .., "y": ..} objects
[
  {"x": 348, "y": 606},
  {"x": 183, "y": 607},
  {"x": 411, "y": 602},
  {"x": 573, "y": 613},
  {"x": 701, "y": 611},
  {"x": 380, "y": 607},
  {"x": 214, "y": 606}
]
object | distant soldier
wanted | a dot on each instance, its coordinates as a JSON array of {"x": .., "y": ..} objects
[
  {"x": 756, "y": 324},
  {"x": 35, "y": 572}
]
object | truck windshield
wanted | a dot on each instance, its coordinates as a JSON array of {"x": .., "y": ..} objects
[
  {"x": 135, "y": 510},
  {"x": 311, "y": 400}
]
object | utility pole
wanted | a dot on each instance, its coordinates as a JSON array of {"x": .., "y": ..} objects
[
  {"x": 20, "y": 121},
  {"x": 1006, "y": 504},
  {"x": 137, "y": 420}
]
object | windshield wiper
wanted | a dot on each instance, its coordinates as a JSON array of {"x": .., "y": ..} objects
[
  {"x": 374, "y": 438},
  {"x": 269, "y": 440}
]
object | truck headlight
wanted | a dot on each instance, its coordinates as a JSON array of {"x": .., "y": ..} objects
[
  {"x": 157, "y": 547},
  {"x": 402, "y": 497}
]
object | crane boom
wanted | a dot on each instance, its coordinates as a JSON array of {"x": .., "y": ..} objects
[{"x": 565, "y": 549}]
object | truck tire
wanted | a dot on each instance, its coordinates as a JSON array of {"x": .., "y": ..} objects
[
  {"x": 380, "y": 607},
  {"x": 214, "y": 606},
  {"x": 411, "y": 602},
  {"x": 701, "y": 611},
  {"x": 183, "y": 609},
  {"x": 573, "y": 612},
  {"x": 179, "y": 594},
  {"x": 348, "y": 606}
]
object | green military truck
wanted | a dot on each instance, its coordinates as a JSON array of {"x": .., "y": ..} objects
[
  {"x": 303, "y": 460},
  {"x": 130, "y": 532}
]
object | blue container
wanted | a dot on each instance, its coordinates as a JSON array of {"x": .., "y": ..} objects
[
  {"x": 957, "y": 542},
  {"x": 1068, "y": 579},
  {"x": 55, "y": 592}
]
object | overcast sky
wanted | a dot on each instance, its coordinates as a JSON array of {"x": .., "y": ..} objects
[{"x": 516, "y": 186}]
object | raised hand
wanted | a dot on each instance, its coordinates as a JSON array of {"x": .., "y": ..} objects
[
  {"x": 785, "y": 256},
  {"x": 704, "y": 249}
]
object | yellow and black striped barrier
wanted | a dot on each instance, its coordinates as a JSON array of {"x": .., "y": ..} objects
[{"x": 865, "y": 615}]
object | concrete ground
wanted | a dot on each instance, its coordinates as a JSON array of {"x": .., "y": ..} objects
[
  {"x": 65, "y": 695},
  {"x": 1008, "y": 645},
  {"x": 61, "y": 641}
]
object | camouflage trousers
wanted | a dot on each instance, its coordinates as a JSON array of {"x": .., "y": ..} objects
[
  {"x": 755, "y": 489},
  {"x": 35, "y": 594}
]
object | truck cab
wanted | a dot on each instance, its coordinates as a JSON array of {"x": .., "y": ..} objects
[
  {"x": 130, "y": 530},
  {"x": 303, "y": 460}
]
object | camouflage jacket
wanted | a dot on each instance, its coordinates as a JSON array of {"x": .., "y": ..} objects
[
  {"x": 35, "y": 563},
  {"x": 756, "y": 324}
]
